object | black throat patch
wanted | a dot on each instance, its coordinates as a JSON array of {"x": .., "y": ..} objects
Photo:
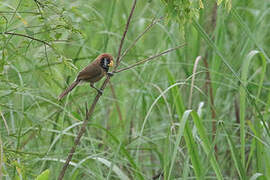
[{"x": 105, "y": 63}]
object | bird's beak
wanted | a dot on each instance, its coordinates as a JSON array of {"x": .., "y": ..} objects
[{"x": 111, "y": 64}]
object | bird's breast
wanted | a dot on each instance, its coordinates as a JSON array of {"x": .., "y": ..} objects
[{"x": 95, "y": 78}]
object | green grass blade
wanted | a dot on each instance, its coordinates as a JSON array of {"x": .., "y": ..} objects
[
  {"x": 178, "y": 139},
  {"x": 206, "y": 144},
  {"x": 237, "y": 161},
  {"x": 248, "y": 31},
  {"x": 243, "y": 96}
]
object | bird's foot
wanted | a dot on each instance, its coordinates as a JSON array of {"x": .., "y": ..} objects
[
  {"x": 110, "y": 74},
  {"x": 100, "y": 91}
]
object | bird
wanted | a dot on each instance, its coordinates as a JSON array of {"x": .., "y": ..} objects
[{"x": 92, "y": 73}]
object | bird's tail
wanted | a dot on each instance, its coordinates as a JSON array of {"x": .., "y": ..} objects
[{"x": 72, "y": 86}]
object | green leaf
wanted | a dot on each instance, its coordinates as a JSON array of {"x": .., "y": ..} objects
[
  {"x": 44, "y": 175},
  {"x": 235, "y": 155},
  {"x": 57, "y": 35}
]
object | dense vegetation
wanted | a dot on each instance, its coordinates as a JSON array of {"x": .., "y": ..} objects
[{"x": 199, "y": 112}]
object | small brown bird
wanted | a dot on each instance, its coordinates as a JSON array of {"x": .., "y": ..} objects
[{"x": 92, "y": 73}]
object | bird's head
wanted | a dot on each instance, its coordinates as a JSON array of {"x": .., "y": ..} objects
[{"x": 106, "y": 61}]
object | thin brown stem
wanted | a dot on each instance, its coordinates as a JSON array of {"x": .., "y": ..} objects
[
  {"x": 79, "y": 135},
  {"x": 92, "y": 108},
  {"x": 208, "y": 83},
  {"x": 214, "y": 16},
  {"x": 124, "y": 35},
  {"x": 154, "y": 21},
  {"x": 150, "y": 58},
  {"x": 29, "y": 37},
  {"x": 20, "y": 12},
  {"x": 237, "y": 114},
  {"x": 116, "y": 104}
]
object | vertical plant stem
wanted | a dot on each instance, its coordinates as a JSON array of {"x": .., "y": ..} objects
[
  {"x": 79, "y": 135},
  {"x": 192, "y": 81},
  {"x": 209, "y": 82},
  {"x": 213, "y": 112},
  {"x": 116, "y": 104},
  {"x": 124, "y": 35}
]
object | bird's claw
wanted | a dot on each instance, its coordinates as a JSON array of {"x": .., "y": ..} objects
[
  {"x": 100, "y": 91},
  {"x": 110, "y": 74}
]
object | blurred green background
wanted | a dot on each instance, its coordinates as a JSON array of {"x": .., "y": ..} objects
[{"x": 158, "y": 123}]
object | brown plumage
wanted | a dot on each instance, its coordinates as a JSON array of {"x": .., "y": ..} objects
[{"x": 91, "y": 73}]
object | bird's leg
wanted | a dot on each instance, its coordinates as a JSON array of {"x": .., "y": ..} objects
[
  {"x": 110, "y": 74},
  {"x": 98, "y": 90}
]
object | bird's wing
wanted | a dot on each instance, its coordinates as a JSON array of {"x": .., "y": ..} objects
[{"x": 90, "y": 72}]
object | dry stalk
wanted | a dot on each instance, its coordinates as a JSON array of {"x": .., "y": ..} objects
[
  {"x": 29, "y": 37},
  {"x": 192, "y": 81},
  {"x": 150, "y": 58}
]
